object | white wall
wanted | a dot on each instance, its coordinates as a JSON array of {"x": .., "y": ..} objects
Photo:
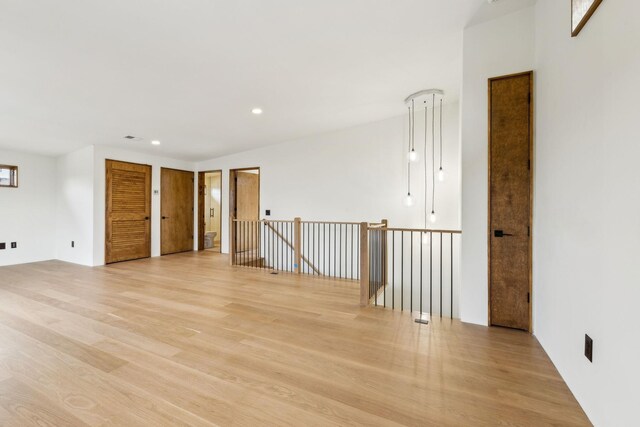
[
  {"x": 74, "y": 207},
  {"x": 499, "y": 47},
  {"x": 357, "y": 174},
  {"x": 27, "y": 213},
  {"x": 587, "y": 204},
  {"x": 101, "y": 153}
]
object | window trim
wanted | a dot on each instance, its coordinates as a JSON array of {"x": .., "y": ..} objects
[{"x": 13, "y": 176}]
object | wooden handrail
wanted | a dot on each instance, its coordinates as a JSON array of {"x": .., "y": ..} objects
[
  {"x": 262, "y": 220},
  {"x": 422, "y": 230},
  {"x": 331, "y": 222},
  {"x": 381, "y": 225}
]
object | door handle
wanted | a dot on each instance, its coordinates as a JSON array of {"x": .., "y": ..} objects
[
  {"x": 146, "y": 218},
  {"x": 165, "y": 217},
  {"x": 500, "y": 233}
]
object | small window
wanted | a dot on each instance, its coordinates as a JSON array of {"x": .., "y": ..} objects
[{"x": 8, "y": 176}]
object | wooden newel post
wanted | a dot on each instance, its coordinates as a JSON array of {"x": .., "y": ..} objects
[
  {"x": 232, "y": 241},
  {"x": 364, "y": 264},
  {"x": 297, "y": 245}
]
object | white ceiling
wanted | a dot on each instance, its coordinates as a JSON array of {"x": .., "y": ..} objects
[{"x": 188, "y": 72}]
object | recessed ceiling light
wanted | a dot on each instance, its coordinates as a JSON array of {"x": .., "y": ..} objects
[
  {"x": 155, "y": 142},
  {"x": 257, "y": 111}
]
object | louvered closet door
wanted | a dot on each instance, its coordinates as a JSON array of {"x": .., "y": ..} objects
[{"x": 128, "y": 211}]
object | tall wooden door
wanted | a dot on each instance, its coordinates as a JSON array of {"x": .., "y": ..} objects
[
  {"x": 244, "y": 199},
  {"x": 128, "y": 211},
  {"x": 176, "y": 210},
  {"x": 201, "y": 220},
  {"x": 510, "y": 201}
]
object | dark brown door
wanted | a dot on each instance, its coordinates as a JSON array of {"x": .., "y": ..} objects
[
  {"x": 201, "y": 220},
  {"x": 510, "y": 144},
  {"x": 128, "y": 211},
  {"x": 176, "y": 210}
]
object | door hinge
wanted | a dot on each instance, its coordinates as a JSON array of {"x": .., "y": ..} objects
[
  {"x": 529, "y": 164},
  {"x": 529, "y": 98},
  {"x": 528, "y": 298},
  {"x": 528, "y": 231}
]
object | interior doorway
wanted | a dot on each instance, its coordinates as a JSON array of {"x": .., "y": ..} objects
[
  {"x": 510, "y": 200},
  {"x": 176, "y": 209},
  {"x": 210, "y": 210},
  {"x": 244, "y": 193},
  {"x": 244, "y": 204}
]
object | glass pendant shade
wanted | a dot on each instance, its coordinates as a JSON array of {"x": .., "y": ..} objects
[
  {"x": 408, "y": 200},
  {"x": 441, "y": 175},
  {"x": 412, "y": 156},
  {"x": 432, "y": 217}
]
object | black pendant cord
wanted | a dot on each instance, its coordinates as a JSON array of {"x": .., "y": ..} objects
[
  {"x": 440, "y": 133},
  {"x": 413, "y": 126},
  {"x": 408, "y": 161},
  {"x": 433, "y": 157},
  {"x": 426, "y": 187}
]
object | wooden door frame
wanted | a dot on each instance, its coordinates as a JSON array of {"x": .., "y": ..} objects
[
  {"x": 201, "y": 217},
  {"x": 531, "y": 178},
  {"x": 106, "y": 205},
  {"x": 232, "y": 188},
  {"x": 162, "y": 201}
]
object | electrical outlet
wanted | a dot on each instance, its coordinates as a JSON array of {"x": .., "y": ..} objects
[
  {"x": 3, "y": 245},
  {"x": 267, "y": 212},
  {"x": 588, "y": 348},
  {"x": 14, "y": 245},
  {"x": 73, "y": 244}
]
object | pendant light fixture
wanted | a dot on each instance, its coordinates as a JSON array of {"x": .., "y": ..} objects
[
  {"x": 425, "y": 235},
  {"x": 441, "y": 171},
  {"x": 408, "y": 200},
  {"x": 412, "y": 155},
  {"x": 433, "y": 160}
]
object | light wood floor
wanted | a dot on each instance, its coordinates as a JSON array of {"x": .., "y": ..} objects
[{"x": 187, "y": 340}]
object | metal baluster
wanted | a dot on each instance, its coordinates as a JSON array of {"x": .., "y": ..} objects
[
  {"x": 384, "y": 283},
  {"x": 281, "y": 231},
  {"x": 411, "y": 272},
  {"x": 357, "y": 239},
  {"x": 451, "y": 244},
  {"x": 430, "y": 273},
  {"x": 325, "y": 247},
  {"x": 375, "y": 274},
  {"x": 336, "y": 252},
  {"x": 421, "y": 245},
  {"x": 393, "y": 270},
  {"x": 288, "y": 224},
  {"x": 345, "y": 252},
  {"x": 339, "y": 257},
  {"x": 351, "y": 243},
  {"x": 402, "y": 271}
]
